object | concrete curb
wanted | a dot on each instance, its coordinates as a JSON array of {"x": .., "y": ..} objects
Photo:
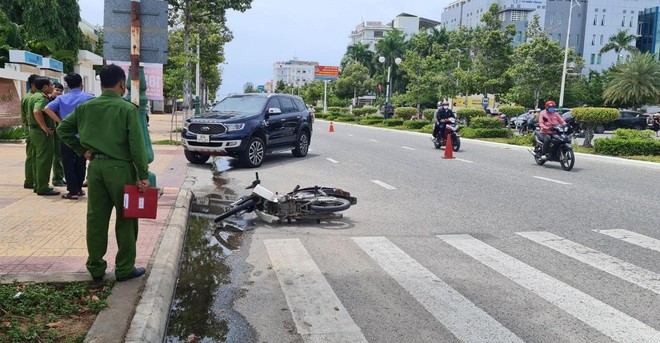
[{"x": 150, "y": 320}]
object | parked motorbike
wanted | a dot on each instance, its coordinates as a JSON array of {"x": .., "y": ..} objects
[
  {"x": 301, "y": 204},
  {"x": 560, "y": 149},
  {"x": 451, "y": 128}
]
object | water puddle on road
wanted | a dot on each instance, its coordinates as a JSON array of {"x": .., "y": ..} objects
[{"x": 206, "y": 290}]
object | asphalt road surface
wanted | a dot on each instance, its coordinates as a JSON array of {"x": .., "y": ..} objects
[{"x": 488, "y": 247}]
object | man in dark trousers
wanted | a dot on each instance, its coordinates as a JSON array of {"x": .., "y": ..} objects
[
  {"x": 441, "y": 115},
  {"x": 110, "y": 136},
  {"x": 73, "y": 164},
  {"x": 41, "y": 136},
  {"x": 58, "y": 169},
  {"x": 25, "y": 115}
]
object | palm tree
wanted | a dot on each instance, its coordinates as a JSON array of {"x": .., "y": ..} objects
[
  {"x": 621, "y": 41},
  {"x": 359, "y": 53},
  {"x": 634, "y": 82}
]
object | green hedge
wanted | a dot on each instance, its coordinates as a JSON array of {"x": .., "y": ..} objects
[
  {"x": 318, "y": 109},
  {"x": 12, "y": 133},
  {"x": 428, "y": 114},
  {"x": 511, "y": 111},
  {"x": 633, "y": 134},
  {"x": 337, "y": 109},
  {"x": 329, "y": 117},
  {"x": 345, "y": 117},
  {"x": 365, "y": 111},
  {"x": 469, "y": 113},
  {"x": 393, "y": 122},
  {"x": 521, "y": 140},
  {"x": 595, "y": 115},
  {"x": 486, "y": 123},
  {"x": 415, "y": 124},
  {"x": 626, "y": 147},
  {"x": 469, "y": 132},
  {"x": 375, "y": 116},
  {"x": 371, "y": 121},
  {"x": 405, "y": 112},
  {"x": 428, "y": 128}
]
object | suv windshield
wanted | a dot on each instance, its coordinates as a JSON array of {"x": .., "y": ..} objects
[{"x": 241, "y": 104}]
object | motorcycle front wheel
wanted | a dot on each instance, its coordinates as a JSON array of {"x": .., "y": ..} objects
[
  {"x": 567, "y": 159},
  {"x": 537, "y": 156},
  {"x": 330, "y": 205},
  {"x": 246, "y": 206}
]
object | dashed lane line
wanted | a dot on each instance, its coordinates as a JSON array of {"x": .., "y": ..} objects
[
  {"x": 551, "y": 180},
  {"x": 383, "y": 184}
]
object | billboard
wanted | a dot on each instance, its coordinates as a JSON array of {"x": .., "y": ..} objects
[
  {"x": 153, "y": 74},
  {"x": 326, "y": 73}
]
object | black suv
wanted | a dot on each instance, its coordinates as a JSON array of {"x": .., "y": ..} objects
[
  {"x": 248, "y": 126},
  {"x": 626, "y": 120}
]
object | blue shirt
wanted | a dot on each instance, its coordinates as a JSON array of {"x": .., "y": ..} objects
[{"x": 65, "y": 104}]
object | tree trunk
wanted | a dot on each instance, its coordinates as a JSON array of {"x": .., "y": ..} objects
[{"x": 588, "y": 136}]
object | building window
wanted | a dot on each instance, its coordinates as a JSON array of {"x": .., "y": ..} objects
[
  {"x": 577, "y": 39},
  {"x": 601, "y": 39},
  {"x": 593, "y": 59},
  {"x": 378, "y": 34},
  {"x": 518, "y": 16},
  {"x": 602, "y": 21},
  {"x": 595, "y": 19},
  {"x": 598, "y": 59},
  {"x": 631, "y": 21},
  {"x": 623, "y": 21},
  {"x": 593, "y": 40}
]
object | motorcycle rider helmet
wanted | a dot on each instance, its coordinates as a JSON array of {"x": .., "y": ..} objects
[
  {"x": 439, "y": 104},
  {"x": 550, "y": 106}
]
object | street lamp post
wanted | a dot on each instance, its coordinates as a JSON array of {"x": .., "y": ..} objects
[
  {"x": 388, "y": 89},
  {"x": 568, "y": 39}
]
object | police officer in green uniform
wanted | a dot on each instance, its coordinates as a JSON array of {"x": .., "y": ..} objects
[
  {"x": 58, "y": 170},
  {"x": 41, "y": 136},
  {"x": 111, "y": 138},
  {"x": 29, "y": 175}
]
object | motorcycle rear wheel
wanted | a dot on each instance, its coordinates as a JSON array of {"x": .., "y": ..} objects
[
  {"x": 567, "y": 159},
  {"x": 248, "y": 205},
  {"x": 456, "y": 143},
  {"x": 330, "y": 205}
]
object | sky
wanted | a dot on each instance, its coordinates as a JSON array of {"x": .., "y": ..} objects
[{"x": 279, "y": 30}]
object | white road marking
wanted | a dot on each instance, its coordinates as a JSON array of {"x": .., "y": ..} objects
[
  {"x": 551, "y": 180},
  {"x": 462, "y": 160},
  {"x": 316, "y": 310},
  {"x": 460, "y": 316},
  {"x": 373, "y": 140},
  {"x": 612, "y": 265},
  {"x": 350, "y": 135},
  {"x": 383, "y": 184},
  {"x": 409, "y": 148},
  {"x": 633, "y": 238},
  {"x": 604, "y": 318},
  {"x": 331, "y": 160}
]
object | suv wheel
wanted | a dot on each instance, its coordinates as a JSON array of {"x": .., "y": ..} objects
[
  {"x": 302, "y": 145},
  {"x": 196, "y": 158},
  {"x": 599, "y": 129},
  {"x": 253, "y": 155}
]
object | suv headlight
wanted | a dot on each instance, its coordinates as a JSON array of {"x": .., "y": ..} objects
[{"x": 235, "y": 127}]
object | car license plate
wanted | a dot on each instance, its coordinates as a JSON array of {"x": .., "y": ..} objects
[{"x": 203, "y": 138}]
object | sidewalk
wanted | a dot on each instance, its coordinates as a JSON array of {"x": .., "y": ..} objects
[{"x": 42, "y": 238}]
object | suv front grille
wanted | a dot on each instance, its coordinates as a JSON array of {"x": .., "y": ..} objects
[{"x": 206, "y": 129}]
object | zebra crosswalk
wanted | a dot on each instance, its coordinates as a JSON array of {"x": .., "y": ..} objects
[{"x": 320, "y": 316}]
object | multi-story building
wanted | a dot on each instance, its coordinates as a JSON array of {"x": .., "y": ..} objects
[
  {"x": 649, "y": 31},
  {"x": 370, "y": 32},
  {"x": 294, "y": 72},
  {"x": 592, "y": 22}
]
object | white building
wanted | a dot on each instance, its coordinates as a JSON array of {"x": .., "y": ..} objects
[
  {"x": 370, "y": 32},
  {"x": 294, "y": 72},
  {"x": 592, "y": 22}
]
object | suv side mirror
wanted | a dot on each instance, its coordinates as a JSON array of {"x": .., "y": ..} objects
[{"x": 274, "y": 110}]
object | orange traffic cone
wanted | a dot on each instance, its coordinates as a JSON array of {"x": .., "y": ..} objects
[
  {"x": 332, "y": 128},
  {"x": 449, "y": 149}
]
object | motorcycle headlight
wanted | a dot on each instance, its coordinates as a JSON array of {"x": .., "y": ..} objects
[{"x": 235, "y": 127}]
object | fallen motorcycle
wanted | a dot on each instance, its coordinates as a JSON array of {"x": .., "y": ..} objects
[
  {"x": 311, "y": 203},
  {"x": 560, "y": 149}
]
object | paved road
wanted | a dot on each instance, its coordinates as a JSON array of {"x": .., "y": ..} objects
[{"x": 488, "y": 247}]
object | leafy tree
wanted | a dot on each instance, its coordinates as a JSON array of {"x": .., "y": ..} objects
[
  {"x": 586, "y": 90},
  {"x": 392, "y": 46},
  {"x": 313, "y": 91},
  {"x": 248, "y": 87},
  {"x": 353, "y": 81},
  {"x": 591, "y": 117},
  {"x": 174, "y": 71},
  {"x": 621, "y": 41},
  {"x": 492, "y": 47},
  {"x": 280, "y": 87},
  {"x": 359, "y": 53},
  {"x": 422, "y": 80},
  {"x": 11, "y": 37},
  {"x": 634, "y": 82},
  {"x": 195, "y": 17}
]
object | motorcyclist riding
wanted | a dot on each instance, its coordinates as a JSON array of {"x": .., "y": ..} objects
[
  {"x": 442, "y": 114},
  {"x": 548, "y": 120}
]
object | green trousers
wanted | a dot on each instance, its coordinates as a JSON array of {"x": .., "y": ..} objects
[
  {"x": 58, "y": 171},
  {"x": 42, "y": 158},
  {"x": 29, "y": 163},
  {"x": 105, "y": 191}
]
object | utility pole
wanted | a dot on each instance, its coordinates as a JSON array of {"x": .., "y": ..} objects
[
  {"x": 197, "y": 85},
  {"x": 568, "y": 39},
  {"x": 135, "y": 51}
]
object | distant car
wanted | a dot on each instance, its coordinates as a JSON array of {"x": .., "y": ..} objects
[
  {"x": 248, "y": 126},
  {"x": 627, "y": 120}
]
